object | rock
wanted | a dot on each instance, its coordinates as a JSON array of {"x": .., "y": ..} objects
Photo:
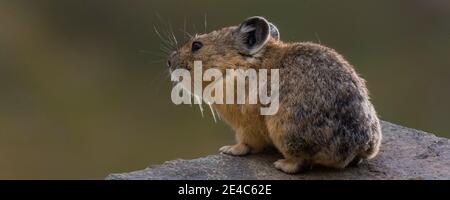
[{"x": 405, "y": 154}]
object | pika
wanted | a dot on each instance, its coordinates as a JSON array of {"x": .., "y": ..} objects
[{"x": 325, "y": 116}]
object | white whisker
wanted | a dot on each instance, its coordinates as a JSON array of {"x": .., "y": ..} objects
[
  {"x": 317, "y": 37},
  {"x": 212, "y": 112},
  {"x": 166, "y": 41},
  {"x": 200, "y": 104},
  {"x": 206, "y": 23}
]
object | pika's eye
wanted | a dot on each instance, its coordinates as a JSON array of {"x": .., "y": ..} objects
[{"x": 196, "y": 46}]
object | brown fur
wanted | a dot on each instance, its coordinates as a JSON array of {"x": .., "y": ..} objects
[{"x": 325, "y": 116}]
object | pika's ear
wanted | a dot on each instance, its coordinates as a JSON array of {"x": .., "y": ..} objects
[
  {"x": 253, "y": 34},
  {"x": 274, "y": 33}
]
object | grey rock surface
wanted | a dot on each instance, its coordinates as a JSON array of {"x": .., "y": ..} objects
[{"x": 405, "y": 154}]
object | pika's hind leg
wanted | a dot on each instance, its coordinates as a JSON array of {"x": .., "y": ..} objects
[{"x": 292, "y": 163}]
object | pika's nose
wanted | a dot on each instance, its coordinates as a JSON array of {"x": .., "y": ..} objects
[{"x": 171, "y": 57}]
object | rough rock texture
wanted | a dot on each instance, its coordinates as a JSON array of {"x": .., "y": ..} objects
[{"x": 405, "y": 154}]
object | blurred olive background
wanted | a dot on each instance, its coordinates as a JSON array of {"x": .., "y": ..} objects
[{"x": 84, "y": 90}]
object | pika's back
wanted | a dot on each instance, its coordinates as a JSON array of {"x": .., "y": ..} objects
[{"x": 321, "y": 70}]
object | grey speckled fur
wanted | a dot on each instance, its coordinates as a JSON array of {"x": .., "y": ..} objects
[{"x": 324, "y": 107}]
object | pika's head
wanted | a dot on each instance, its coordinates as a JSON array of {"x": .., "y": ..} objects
[{"x": 235, "y": 46}]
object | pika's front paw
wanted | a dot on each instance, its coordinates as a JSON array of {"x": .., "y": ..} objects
[
  {"x": 290, "y": 166},
  {"x": 235, "y": 150}
]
